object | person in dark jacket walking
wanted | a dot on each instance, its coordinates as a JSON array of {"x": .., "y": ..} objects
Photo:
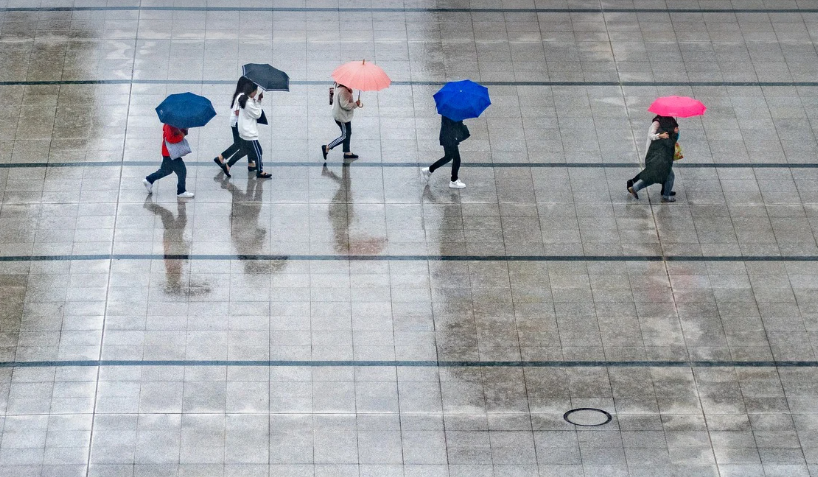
[
  {"x": 452, "y": 133},
  {"x": 659, "y": 126},
  {"x": 659, "y": 166}
]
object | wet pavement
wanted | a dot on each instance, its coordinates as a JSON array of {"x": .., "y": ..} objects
[{"x": 347, "y": 320}]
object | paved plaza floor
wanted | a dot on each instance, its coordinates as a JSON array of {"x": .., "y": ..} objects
[{"x": 346, "y": 319}]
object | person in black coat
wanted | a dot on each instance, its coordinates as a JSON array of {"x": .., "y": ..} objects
[
  {"x": 659, "y": 166},
  {"x": 452, "y": 133}
]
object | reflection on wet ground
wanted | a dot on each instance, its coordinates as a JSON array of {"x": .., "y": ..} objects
[{"x": 346, "y": 318}]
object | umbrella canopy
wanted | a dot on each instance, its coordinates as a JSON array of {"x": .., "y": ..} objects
[
  {"x": 462, "y": 100},
  {"x": 362, "y": 76},
  {"x": 677, "y": 107},
  {"x": 267, "y": 77},
  {"x": 186, "y": 110}
]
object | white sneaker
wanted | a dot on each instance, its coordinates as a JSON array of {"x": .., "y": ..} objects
[
  {"x": 185, "y": 195},
  {"x": 457, "y": 184},
  {"x": 148, "y": 186},
  {"x": 426, "y": 174}
]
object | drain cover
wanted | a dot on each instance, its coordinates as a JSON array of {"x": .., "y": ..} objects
[{"x": 587, "y": 417}]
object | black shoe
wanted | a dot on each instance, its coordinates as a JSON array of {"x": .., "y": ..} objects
[
  {"x": 251, "y": 168},
  {"x": 222, "y": 165},
  {"x": 672, "y": 193},
  {"x": 263, "y": 175},
  {"x": 324, "y": 151},
  {"x": 350, "y": 156},
  {"x": 633, "y": 193}
]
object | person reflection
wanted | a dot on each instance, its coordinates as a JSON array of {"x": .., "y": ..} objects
[
  {"x": 341, "y": 215},
  {"x": 248, "y": 237},
  {"x": 176, "y": 248}
]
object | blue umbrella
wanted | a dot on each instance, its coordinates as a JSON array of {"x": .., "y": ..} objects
[
  {"x": 186, "y": 110},
  {"x": 462, "y": 100}
]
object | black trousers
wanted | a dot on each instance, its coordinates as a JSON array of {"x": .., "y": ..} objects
[
  {"x": 253, "y": 151},
  {"x": 450, "y": 153},
  {"x": 235, "y": 151},
  {"x": 168, "y": 167},
  {"x": 345, "y": 137}
]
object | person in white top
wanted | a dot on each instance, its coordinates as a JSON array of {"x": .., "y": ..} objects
[
  {"x": 235, "y": 151},
  {"x": 249, "y": 113},
  {"x": 653, "y": 134}
]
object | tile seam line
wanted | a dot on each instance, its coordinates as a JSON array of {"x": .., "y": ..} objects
[
  {"x": 411, "y": 363},
  {"x": 737, "y": 84},
  {"x": 396, "y": 258},
  {"x": 477, "y": 165},
  {"x": 406, "y": 9}
]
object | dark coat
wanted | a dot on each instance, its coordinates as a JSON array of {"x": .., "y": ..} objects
[
  {"x": 452, "y": 133},
  {"x": 659, "y": 160}
]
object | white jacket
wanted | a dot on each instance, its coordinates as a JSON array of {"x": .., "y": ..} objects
[
  {"x": 248, "y": 127},
  {"x": 234, "y": 109}
]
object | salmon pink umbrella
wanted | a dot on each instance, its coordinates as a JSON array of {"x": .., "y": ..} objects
[
  {"x": 362, "y": 76},
  {"x": 677, "y": 107}
]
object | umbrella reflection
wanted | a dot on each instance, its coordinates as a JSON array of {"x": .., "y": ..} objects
[
  {"x": 175, "y": 248},
  {"x": 341, "y": 214}
]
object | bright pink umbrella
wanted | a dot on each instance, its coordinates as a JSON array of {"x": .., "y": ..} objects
[
  {"x": 677, "y": 107},
  {"x": 362, "y": 76}
]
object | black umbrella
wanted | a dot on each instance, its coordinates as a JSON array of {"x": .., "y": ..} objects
[{"x": 267, "y": 77}]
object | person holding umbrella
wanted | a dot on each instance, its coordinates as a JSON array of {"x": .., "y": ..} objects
[
  {"x": 659, "y": 165},
  {"x": 249, "y": 115},
  {"x": 664, "y": 123},
  {"x": 455, "y": 102},
  {"x": 178, "y": 112},
  {"x": 362, "y": 76},
  {"x": 235, "y": 151},
  {"x": 343, "y": 108},
  {"x": 452, "y": 133}
]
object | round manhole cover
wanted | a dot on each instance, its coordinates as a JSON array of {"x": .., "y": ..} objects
[{"x": 587, "y": 416}]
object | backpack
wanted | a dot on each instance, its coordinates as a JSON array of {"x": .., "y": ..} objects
[{"x": 331, "y": 94}]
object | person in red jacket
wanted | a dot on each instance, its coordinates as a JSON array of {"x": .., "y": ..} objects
[{"x": 170, "y": 135}]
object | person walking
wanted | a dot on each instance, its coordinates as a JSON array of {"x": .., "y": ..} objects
[
  {"x": 665, "y": 123},
  {"x": 235, "y": 151},
  {"x": 343, "y": 108},
  {"x": 659, "y": 165},
  {"x": 250, "y": 112},
  {"x": 452, "y": 133},
  {"x": 172, "y": 161}
]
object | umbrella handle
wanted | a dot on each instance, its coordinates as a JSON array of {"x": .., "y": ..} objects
[{"x": 359, "y": 95}]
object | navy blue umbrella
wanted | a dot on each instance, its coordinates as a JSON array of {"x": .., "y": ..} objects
[
  {"x": 186, "y": 110},
  {"x": 462, "y": 100},
  {"x": 267, "y": 77}
]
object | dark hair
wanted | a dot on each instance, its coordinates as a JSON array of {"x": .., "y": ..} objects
[
  {"x": 239, "y": 88},
  {"x": 248, "y": 90},
  {"x": 666, "y": 123}
]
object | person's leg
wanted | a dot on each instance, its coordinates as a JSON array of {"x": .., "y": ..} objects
[
  {"x": 258, "y": 153},
  {"x": 667, "y": 187},
  {"x": 640, "y": 184},
  {"x": 442, "y": 161},
  {"x": 233, "y": 148},
  {"x": 181, "y": 174},
  {"x": 348, "y": 137},
  {"x": 455, "y": 155},
  {"x": 240, "y": 152},
  {"x": 340, "y": 139},
  {"x": 164, "y": 170}
]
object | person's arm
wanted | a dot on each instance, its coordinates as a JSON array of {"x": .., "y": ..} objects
[
  {"x": 174, "y": 135},
  {"x": 253, "y": 108},
  {"x": 464, "y": 132},
  {"x": 653, "y": 132}
]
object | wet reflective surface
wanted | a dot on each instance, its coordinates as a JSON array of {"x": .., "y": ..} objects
[{"x": 346, "y": 319}]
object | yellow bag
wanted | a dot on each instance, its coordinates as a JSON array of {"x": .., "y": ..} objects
[{"x": 677, "y": 154}]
